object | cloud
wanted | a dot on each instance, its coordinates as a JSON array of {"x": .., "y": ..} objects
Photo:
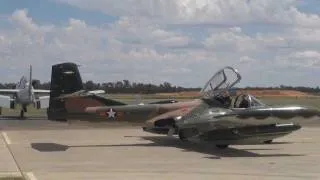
[
  {"x": 20, "y": 17},
  {"x": 305, "y": 59},
  {"x": 122, "y": 50},
  {"x": 230, "y": 40},
  {"x": 142, "y": 46},
  {"x": 139, "y": 33},
  {"x": 205, "y": 11}
]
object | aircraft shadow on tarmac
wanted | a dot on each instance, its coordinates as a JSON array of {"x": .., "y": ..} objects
[{"x": 160, "y": 141}]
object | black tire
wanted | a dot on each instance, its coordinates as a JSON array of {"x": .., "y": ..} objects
[
  {"x": 222, "y": 146},
  {"x": 181, "y": 136},
  {"x": 267, "y": 141},
  {"x": 25, "y": 108},
  {"x": 22, "y": 114}
]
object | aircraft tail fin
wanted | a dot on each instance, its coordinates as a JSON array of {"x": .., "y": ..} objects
[
  {"x": 65, "y": 79},
  {"x": 67, "y": 94},
  {"x": 22, "y": 83},
  {"x": 30, "y": 81}
]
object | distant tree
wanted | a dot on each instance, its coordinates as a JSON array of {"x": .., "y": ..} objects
[
  {"x": 89, "y": 85},
  {"x": 119, "y": 84},
  {"x": 126, "y": 84}
]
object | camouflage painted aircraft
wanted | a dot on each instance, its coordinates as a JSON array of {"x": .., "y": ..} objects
[{"x": 222, "y": 115}]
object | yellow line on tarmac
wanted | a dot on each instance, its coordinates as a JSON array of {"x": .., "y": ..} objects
[
  {"x": 31, "y": 176},
  {"x": 6, "y": 138}
]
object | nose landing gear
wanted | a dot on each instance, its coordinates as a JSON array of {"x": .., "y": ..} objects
[{"x": 23, "y": 110}]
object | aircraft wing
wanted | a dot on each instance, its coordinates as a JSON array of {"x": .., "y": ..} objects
[
  {"x": 97, "y": 92},
  {"x": 5, "y": 101},
  {"x": 42, "y": 102},
  {"x": 9, "y": 91}
]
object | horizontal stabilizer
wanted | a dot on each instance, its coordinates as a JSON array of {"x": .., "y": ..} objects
[
  {"x": 97, "y": 92},
  {"x": 41, "y": 91}
]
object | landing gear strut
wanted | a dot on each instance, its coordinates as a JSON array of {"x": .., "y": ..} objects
[
  {"x": 21, "y": 114},
  {"x": 222, "y": 146},
  {"x": 24, "y": 109}
]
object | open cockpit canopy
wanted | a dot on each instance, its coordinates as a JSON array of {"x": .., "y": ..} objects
[{"x": 220, "y": 82}]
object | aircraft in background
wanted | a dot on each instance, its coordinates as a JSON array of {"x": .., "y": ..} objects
[
  {"x": 221, "y": 115},
  {"x": 24, "y": 94}
]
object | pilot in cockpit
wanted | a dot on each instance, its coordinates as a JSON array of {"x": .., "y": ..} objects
[
  {"x": 224, "y": 98},
  {"x": 244, "y": 103}
]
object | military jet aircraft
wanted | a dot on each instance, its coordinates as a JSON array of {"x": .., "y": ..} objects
[
  {"x": 221, "y": 115},
  {"x": 24, "y": 94}
]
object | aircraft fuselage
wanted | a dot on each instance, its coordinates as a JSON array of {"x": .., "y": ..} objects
[{"x": 25, "y": 97}]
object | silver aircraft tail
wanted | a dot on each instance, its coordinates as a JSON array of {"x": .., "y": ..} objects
[{"x": 30, "y": 82}]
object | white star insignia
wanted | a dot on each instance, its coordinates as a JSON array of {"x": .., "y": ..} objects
[{"x": 111, "y": 113}]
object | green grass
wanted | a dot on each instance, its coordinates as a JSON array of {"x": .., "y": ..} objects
[
  {"x": 304, "y": 101},
  {"x": 16, "y": 112},
  {"x": 147, "y": 96}
]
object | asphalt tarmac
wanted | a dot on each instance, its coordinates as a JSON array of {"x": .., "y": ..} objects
[{"x": 38, "y": 149}]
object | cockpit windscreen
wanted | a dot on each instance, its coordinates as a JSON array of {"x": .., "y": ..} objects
[{"x": 224, "y": 79}]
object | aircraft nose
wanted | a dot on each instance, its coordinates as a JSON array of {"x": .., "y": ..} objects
[
  {"x": 310, "y": 116},
  {"x": 312, "y": 112}
]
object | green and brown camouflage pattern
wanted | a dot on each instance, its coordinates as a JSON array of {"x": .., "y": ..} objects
[{"x": 215, "y": 117}]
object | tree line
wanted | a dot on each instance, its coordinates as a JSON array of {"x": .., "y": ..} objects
[
  {"x": 284, "y": 87},
  {"x": 125, "y": 86}
]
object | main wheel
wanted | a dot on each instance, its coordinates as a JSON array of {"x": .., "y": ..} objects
[
  {"x": 267, "y": 141},
  {"x": 222, "y": 146},
  {"x": 22, "y": 114},
  {"x": 181, "y": 136}
]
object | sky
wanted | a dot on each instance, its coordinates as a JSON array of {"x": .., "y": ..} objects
[{"x": 184, "y": 42}]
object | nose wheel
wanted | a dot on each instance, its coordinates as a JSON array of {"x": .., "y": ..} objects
[
  {"x": 267, "y": 142},
  {"x": 222, "y": 146},
  {"x": 23, "y": 110},
  {"x": 182, "y": 137},
  {"x": 21, "y": 114}
]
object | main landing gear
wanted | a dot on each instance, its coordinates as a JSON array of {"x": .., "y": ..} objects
[
  {"x": 267, "y": 142},
  {"x": 222, "y": 146},
  {"x": 182, "y": 137}
]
